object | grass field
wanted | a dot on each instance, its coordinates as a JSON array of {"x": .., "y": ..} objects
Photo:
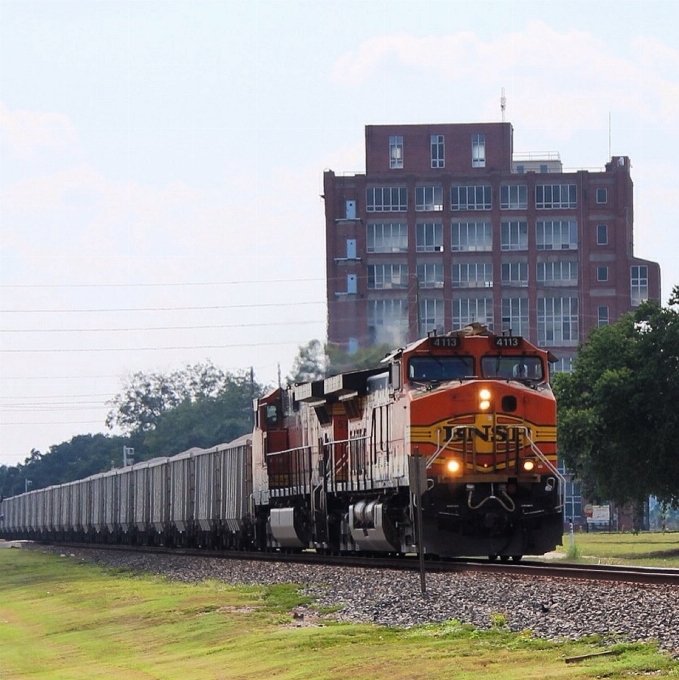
[
  {"x": 65, "y": 620},
  {"x": 644, "y": 549}
]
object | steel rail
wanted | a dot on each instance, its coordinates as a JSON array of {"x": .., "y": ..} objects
[{"x": 563, "y": 570}]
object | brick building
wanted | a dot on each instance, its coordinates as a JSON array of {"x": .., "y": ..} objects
[{"x": 448, "y": 226}]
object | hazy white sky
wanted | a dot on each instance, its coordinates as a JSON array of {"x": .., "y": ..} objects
[{"x": 161, "y": 164}]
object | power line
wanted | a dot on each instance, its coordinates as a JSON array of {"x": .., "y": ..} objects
[
  {"x": 156, "y": 328},
  {"x": 155, "y": 285},
  {"x": 156, "y": 309},
  {"x": 62, "y": 396},
  {"x": 147, "y": 349},
  {"x": 54, "y": 422}
]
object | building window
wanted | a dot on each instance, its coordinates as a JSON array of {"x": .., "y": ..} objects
[
  {"x": 639, "y": 284},
  {"x": 429, "y": 198},
  {"x": 556, "y": 235},
  {"x": 430, "y": 275},
  {"x": 559, "y": 273},
  {"x": 478, "y": 151},
  {"x": 563, "y": 365},
  {"x": 437, "y": 151},
  {"x": 429, "y": 237},
  {"x": 549, "y": 196},
  {"x": 470, "y": 198},
  {"x": 350, "y": 209},
  {"x": 513, "y": 197},
  {"x": 471, "y": 236},
  {"x": 431, "y": 316},
  {"x": 557, "y": 321},
  {"x": 351, "y": 249},
  {"x": 603, "y": 315},
  {"x": 387, "y": 199},
  {"x": 515, "y": 316},
  {"x": 473, "y": 275},
  {"x": 515, "y": 274},
  {"x": 468, "y": 310},
  {"x": 390, "y": 237},
  {"x": 602, "y": 273},
  {"x": 386, "y": 276},
  {"x": 388, "y": 322},
  {"x": 352, "y": 284},
  {"x": 602, "y": 234},
  {"x": 602, "y": 196},
  {"x": 514, "y": 235},
  {"x": 395, "y": 151}
]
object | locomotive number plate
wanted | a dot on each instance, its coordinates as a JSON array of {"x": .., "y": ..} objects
[
  {"x": 507, "y": 341},
  {"x": 445, "y": 342}
]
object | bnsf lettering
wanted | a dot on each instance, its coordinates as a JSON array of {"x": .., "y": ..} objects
[{"x": 488, "y": 433}]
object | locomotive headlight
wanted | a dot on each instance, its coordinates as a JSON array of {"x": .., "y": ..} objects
[
  {"x": 528, "y": 465},
  {"x": 453, "y": 466},
  {"x": 484, "y": 396}
]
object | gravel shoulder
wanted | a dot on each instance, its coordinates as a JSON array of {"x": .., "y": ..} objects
[{"x": 551, "y": 608}]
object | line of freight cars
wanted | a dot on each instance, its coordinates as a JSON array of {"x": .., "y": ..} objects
[
  {"x": 197, "y": 498},
  {"x": 455, "y": 434}
]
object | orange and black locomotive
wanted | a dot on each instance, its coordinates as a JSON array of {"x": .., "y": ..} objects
[{"x": 463, "y": 423}]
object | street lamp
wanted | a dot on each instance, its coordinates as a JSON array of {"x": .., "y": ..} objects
[{"x": 27, "y": 483}]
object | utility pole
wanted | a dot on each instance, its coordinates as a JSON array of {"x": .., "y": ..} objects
[
  {"x": 27, "y": 483},
  {"x": 417, "y": 470},
  {"x": 128, "y": 456},
  {"x": 252, "y": 396}
]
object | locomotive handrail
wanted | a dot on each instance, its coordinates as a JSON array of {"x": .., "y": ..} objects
[
  {"x": 545, "y": 461},
  {"x": 437, "y": 453},
  {"x": 292, "y": 450}
]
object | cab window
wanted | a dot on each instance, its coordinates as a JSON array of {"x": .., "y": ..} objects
[
  {"x": 440, "y": 368},
  {"x": 512, "y": 367}
]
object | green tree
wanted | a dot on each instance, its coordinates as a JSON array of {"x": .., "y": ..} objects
[
  {"x": 618, "y": 415},
  {"x": 82, "y": 456},
  {"x": 341, "y": 361},
  {"x": 205, "y": 422},
  {"x": 310, "y": 363},
  {"x": 315, "y": 361},
  {"x": 146, "y": 396},
  {"x": 200, "y": 405}
]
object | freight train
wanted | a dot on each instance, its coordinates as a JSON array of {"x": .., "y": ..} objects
[{"x": 448, "y": 448}]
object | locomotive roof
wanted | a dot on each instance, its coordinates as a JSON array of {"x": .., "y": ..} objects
[{"x": 472, "y": 330}]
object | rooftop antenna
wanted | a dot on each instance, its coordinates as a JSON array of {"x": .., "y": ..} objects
[
  {"x": 503, "y": 104},
  {"x": 609, "y": 135}
]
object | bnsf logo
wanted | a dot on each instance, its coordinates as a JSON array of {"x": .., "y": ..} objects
[{"x": 486, "y": 433}]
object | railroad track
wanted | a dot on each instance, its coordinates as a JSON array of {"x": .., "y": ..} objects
[{"x": 592, "y": 572}]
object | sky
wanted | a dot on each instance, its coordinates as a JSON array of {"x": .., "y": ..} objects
[{"x": 161, "y": 165}]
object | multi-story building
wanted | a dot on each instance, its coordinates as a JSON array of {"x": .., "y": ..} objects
[{"x": 448, "y": 226}]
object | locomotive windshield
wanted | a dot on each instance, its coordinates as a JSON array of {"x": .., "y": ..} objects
[
  {"x": 440, "y": 368},
  {"x": 509, "y": 367}
]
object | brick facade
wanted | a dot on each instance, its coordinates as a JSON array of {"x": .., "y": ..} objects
[{"x": 447, "y": 226}]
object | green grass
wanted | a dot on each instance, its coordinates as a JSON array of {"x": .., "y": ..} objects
[
  {"x": 65, "y": 620},
  {"x": 644, "y": 549}
]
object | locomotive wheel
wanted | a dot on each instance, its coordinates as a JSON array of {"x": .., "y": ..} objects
[
  {"x": 492, "y": 558},
  {"x": 517, "y": 558}
]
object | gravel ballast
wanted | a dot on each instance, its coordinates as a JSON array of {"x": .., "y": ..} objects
[{"x": 550, "y": 608}]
